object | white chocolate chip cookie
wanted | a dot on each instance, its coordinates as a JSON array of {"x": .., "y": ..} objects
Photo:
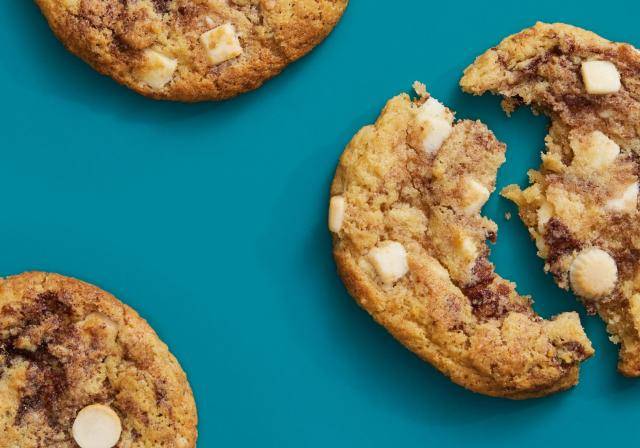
[
  {"x": 412, "y": 251},
  {"x": 582, "y": 205},
  {"x": 78, "y": 368},
  {"x": 191, "y": 50}
]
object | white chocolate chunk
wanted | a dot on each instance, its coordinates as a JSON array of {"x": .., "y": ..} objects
[
  {"x": 389, "y": 260},
  {"x": 600, "y": 77},
  {"x": 438, "y": 132},
  {"x": 221, "y": 43},
  {"x": 337, "y": 206},
  {"x": 436, "y": 122},
  {"x": 593, "y": 273},
  {"x": 594, "y": 150},
  {"x": 96, "y": 426},
  {"x": 157, "y": 70},
  {"x": 432, "y": 108},
  {"x": 474, "y": 196},
  {"x": 626, "y": 202},
  {"x": 545, "y": 212}
]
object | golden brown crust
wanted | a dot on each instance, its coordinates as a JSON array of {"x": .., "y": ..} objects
[
  {"x": 65, "y": 344},
  {"x": 584, "y": 197},
  {"x": 450, "y": 308},
  {"x": 112, "y": 36}
]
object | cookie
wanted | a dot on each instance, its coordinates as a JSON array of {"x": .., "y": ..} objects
[
  {"x": 410, "y": 245},
  {"x": 191, "y": 50},
  {"x": 582, "y": 205},
  {"x": 79, "y": 368}
]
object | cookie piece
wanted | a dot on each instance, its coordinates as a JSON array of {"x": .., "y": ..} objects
[
  {"x": 581, "y": 207},
  {"x": 79, "y": 368},
  {"x": 410, "y": 246},
  {"x": 191, "y": 50}
]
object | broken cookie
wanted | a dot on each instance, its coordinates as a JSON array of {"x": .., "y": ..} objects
[
  {"x": 410, "y": 245},
  {"x": 582, "y": 205}
]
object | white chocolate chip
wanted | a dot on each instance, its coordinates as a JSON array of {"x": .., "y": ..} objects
[
  {"x": 337, "y": 206},
  {"x": 438, "y": 132},
  {"x": 594, "y": 150},
  {"x": 436, "y": 123},
  {"x": 221, "y": 43},
  {"x": 474, "y": 196},
  {"x": 545, "y": 212},
  {"x": 96, "y": 426},
  {"x": 600, "y": 77},
  {"x": 389, "y": 260},
  {"x": 157, "y": 70},
  {"x": 432, "y": 108},
  {"x": 626, "y": 202},
  {"x": 593, "y": 273}
]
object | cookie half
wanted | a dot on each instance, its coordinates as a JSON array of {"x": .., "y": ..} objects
[
  {"x": 582, "y": 205},
  {"x": 79, "y": 368},
  {"x": 191, "y": 50},
  {"x": 410, "y": 245}
]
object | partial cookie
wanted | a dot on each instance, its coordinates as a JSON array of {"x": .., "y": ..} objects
[
  {"x": 191, "y": 50},
  {"x": 410, "y": 245},
  {"x": 79, "y": 368},
  {"x": 582, "y": 206}
]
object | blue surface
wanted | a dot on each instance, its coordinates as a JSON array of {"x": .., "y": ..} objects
[{"x": 209, "y": 219}]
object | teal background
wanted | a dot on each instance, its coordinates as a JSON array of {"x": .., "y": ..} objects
[{"x": 209, "y": 219}]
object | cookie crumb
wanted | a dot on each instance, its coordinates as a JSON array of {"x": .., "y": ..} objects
[{"x": 420, "y": 89}]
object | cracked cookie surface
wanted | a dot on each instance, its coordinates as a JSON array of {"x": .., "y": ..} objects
[
  {"x": 410, "y": 245},
  {"x": 191, "y": 50},
  {"x": 64, "y": 345},
  {"x": 581, "y": 206}
]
